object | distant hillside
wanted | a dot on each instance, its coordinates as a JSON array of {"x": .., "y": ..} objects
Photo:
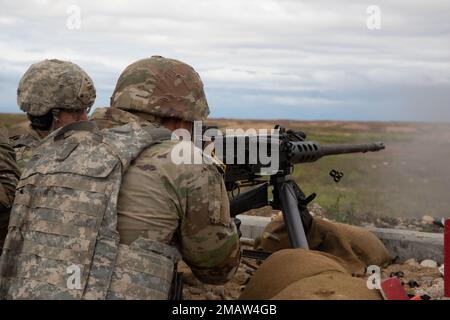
[{"x": 9, "y": 119}]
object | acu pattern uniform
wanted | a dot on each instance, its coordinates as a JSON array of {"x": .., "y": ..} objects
[
  {"x": 9, "y": 175},
  {"x": 65, "y": 218}
]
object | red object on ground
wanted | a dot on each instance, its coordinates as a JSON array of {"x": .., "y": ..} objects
[
  {"x": 392, "y": 289},
  {"x": 447, "y": 258}
]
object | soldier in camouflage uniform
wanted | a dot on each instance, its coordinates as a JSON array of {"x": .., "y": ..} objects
[
  {"x": 112, "y": 205},
  {"x": 9, "y": 175},
  {"x": 183, "y": 204},
  {"x": 51, "y": 92}
]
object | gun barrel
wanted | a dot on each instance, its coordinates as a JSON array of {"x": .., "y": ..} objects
[
  {"x": 352, "y": 148},
  {"x": 308, "y": 151}
]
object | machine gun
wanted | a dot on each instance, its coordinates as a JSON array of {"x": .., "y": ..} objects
[{"x": 247, "y": 167}]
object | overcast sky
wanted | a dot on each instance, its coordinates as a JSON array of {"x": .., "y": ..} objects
[{"x": 258, "y": 58}]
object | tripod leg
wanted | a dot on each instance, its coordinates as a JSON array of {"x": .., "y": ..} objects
[{"x": 289, "y": 204}]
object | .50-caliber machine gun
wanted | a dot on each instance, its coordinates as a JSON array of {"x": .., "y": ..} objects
[{"x": 266, "y": 161}]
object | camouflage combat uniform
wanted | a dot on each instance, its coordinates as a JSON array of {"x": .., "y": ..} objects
[
  {"x": 184, "y": 204},
  {"x": 189, "y": 204},
  {"x": 9, "y": 175}
]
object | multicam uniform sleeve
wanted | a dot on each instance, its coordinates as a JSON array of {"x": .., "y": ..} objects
[
  {"x": 9, "y": 175},
  {"x": 209, "y": 239}
]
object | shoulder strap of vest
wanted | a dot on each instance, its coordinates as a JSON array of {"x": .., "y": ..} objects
[
  {"x": 24, "y": 141},
  {"x": 129, "y": 140},
  {"x": 158, "y": 133},
  {"x": 76, "y": 126}
]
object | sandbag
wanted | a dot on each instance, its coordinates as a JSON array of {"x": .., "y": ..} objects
[
  {"x": 328, "y": 286},
  {"x": 305, "y": 274},
  {"x": 287, "y": 266},
  {"x": 367, "y": 247},
  {"x": 356, "y": 246}
]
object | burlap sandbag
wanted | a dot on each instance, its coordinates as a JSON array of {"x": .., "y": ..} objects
[
  {"x": 287, "y": 266},
  {"x": 367, "y": 247},
  {"x": 328, "y": 286},
  {"x": 356, "y": 246}
]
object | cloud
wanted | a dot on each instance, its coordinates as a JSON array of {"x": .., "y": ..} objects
[{"x": 257, "y": 58}]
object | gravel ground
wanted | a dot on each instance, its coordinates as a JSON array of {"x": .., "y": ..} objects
[
  {"x": 193, "y": 289},
  {"x": 416, "y": 279}
]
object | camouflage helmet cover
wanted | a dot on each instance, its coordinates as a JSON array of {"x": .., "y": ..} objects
[
  {"x": 161, "y": 87},
  {"x": 54, "y": 84}
]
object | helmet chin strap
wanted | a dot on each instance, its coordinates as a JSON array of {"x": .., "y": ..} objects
[{"x": 55, "y": 113}]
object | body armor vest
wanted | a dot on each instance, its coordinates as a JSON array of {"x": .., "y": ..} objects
[
  {"x": 62, "y": 239},
  {"x": 24, "y": 146}
]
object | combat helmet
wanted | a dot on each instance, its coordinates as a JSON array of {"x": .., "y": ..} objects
[
  {"x": 161, "y": 87},
  {"x": 54, "y": 84}
]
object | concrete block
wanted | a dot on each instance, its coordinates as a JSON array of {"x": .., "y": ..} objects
[
  {"x": 412, "y": 244},
  {"x": 252, "y": 226},
  {"x": 402, "y": 243}
]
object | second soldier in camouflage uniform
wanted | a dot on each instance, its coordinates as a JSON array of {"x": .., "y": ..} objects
[{"x": 52, "y": 93}]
